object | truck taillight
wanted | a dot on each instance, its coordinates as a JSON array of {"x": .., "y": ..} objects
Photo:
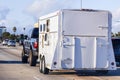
[{"x": 35, "y": 45}]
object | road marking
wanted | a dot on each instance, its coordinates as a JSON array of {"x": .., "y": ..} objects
[{"x": 36, "y": 78}]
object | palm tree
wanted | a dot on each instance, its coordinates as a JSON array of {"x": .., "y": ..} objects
[{"x": 14, "y": 29}]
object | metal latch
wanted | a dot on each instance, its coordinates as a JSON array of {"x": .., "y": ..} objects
[{"x": 103, "y": 27}]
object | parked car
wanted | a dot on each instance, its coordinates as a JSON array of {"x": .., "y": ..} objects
[
  {"x": 11, "y": 43},
  {"x": 5, "y": 42},
  {"x": 116, "y": 48}
]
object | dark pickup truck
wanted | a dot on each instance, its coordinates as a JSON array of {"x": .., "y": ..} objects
[
  {"x": 116, "y": 48},
  {"x": 30, "y": 48}
]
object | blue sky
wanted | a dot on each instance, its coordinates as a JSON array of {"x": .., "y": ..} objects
[{"x": 24, "y": 13}]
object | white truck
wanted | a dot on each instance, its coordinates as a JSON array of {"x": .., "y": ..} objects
[{"x": 72, "y": 39}]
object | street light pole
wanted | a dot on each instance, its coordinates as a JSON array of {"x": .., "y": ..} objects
[
  {"x": 24, "y": 30},
  {"x": 81, "y": 4}
]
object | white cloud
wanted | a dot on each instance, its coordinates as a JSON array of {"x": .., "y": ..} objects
[
  {"x": 116, "y": 14},
  {"x": 116, "y": 27},
  {"x": 116, "y": 21},
  {"x": 3, "y": 15},
  {"x": 3, "y": 12},
  {"x": 41, "y": 7}
]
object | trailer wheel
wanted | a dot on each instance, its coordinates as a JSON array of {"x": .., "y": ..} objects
[
  {"x": 40, "y": 66},
  {"x": 102, "y": 71},
  {"x": 32, "y": 59},
  {"x": 44, "y": 69},
  {"x": 23, "y": 57}
]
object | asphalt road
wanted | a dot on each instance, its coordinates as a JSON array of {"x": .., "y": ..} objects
[{"x": 11, "y": 68}]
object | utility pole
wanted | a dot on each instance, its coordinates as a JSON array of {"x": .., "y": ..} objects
[{"x": 81, "y": 4}]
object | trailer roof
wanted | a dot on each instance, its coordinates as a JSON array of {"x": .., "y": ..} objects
[
  {"x": 57, "y": 12},
  {"x": 49, "y": 15},
  {"x": 84, "y": 10}
]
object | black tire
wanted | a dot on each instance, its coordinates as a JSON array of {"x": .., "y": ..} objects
[
  {"x": 24, "y": 58},
  {"x": 102, "y": 71},
  {"x": 32, "y": 59},
  {"x": 44, "y": 69},
  {"x": 40, "y": 66}
]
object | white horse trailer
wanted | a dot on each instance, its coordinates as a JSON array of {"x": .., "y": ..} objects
[{"x": 77, "y": 40}]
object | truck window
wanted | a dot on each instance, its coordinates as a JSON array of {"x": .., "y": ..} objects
[
  {"x": 40, "y": 28},
  {"x": 43, "y": 27},
  {"x": 48, "y": 22},
  {"x": 47, "y": 25},
  {"x": 45, "y": 37},
  {"x": 116, "y": 45},
  {"x": 35, "y": 33}
]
